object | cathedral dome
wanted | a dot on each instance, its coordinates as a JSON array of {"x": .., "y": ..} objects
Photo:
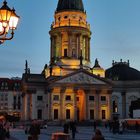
[
  {"x": 68, "y": 5},
  {"x": 123, "y": 72}
]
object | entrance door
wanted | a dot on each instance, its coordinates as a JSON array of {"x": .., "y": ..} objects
[
  {"x": 78, "y": 114},
  {"x": 39, "y": 114}
]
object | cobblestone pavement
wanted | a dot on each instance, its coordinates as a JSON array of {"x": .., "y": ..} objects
[{"x": 84, "y": 133}]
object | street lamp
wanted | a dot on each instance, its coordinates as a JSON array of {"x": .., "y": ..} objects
[{"x": 8, "y": 22}]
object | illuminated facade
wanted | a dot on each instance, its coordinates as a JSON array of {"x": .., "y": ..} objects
[{"x": 69, "y": 88}]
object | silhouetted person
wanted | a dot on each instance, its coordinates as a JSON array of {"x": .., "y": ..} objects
[
  {"x": 73, "y": 129},
  {"x": 94, "y": 125},
  {"x": 66, "y": 128},
  {"x": 110, "y": 125},
  {"x": 98, "y": 135},
  {"x": 137, "y": 127},
  {"x": 2, "y": 133},
  {"x": 34, "y": 130},
  {"x": 106, "y": 125}
]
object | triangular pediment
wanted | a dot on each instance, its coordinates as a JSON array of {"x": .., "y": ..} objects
[{"x": 82, "y": 78}]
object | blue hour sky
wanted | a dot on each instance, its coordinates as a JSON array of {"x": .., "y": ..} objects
[{"x": 115, "y": 26}]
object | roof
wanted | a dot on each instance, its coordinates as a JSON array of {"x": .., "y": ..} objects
[
  {"x": 122, "y": 72},
  {"x": 67, "y": 5},
  {"x": 10, "y": 84},
  {"x": 74, "y": 78}
]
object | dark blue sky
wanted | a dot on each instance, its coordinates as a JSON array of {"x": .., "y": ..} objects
[{"x": 115, "y": 26}]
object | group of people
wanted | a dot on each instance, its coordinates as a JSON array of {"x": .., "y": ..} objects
[
  {"x": 70, "y": 126},
  {"x": 4, "y": 131},
  {"x": 116, "y": 127},
  {"x": 33, "y": 131}
]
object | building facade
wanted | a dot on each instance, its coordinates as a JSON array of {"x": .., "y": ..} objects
[
  {"x": 10, "y": 97},
  {"x": 69, "y": 88},
  {"x": 125, "y": 88}
]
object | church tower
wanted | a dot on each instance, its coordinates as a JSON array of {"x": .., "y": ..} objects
[{"x": 70, "y": 39}]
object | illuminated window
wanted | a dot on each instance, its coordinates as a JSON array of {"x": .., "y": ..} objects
[
  {"x": 115, "y": 107},
  {"x": 65, "y": 17}
]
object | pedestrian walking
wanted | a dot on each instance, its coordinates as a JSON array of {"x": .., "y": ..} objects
[
  {"x": 2, "y": 132},
  {"x": 94, "y": 125},
  {"x": 66, "y": 128},
  {"x": 98, "y": 135},
  {"x": 137, "y": 127},
  {"x": 73, "y": 129},
  {"x": 34, "y": 131}
]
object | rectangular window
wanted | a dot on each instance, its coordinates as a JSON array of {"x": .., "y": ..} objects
[
  {"x": 67, "y": 113},
  {"x": 65, "y": 53},
  {"x": 91, "y": 98},
  {"x": 39, "y": 98},
  {"x": 55, "y": 114},
  {"x": 103, "y": 98},
  {"x": 14, "y": 104},
  {"x": 39, "y": 114},
  {"x": 92, "y": 114},
  {"x": 68, "y": 97},
  {"x": 77, "y": 99},
  {"x": 56, "y": 97},
  {"x": 103, "y": 114}
]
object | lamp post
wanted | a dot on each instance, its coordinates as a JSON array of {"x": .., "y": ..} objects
[{"x": 8, "y": 22}]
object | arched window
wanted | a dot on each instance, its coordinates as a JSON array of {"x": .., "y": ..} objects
[
  {"x": 73, "y": 52},
  {"x": 115, "y": 107}
]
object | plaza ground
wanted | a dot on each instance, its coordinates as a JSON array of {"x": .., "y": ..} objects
[{"x": 84, "y": 133}]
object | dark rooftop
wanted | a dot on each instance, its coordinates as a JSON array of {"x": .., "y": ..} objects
[
  {"x": 121, "y": 71},
  {"x": 67, "y": 5}
]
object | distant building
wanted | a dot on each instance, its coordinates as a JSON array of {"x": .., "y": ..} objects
[
  {"x": 125, "y": 88},
  {"x": 10, "y": 97}
]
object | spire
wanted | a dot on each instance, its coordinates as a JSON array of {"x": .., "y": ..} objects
[
  {"x": 27, "y": 70},
  {"x": 26, "y": 67},
  {"x": 96, "y": 63},
  {"x": 75, "y": 5}
]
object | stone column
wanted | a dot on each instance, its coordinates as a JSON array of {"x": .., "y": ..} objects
[
  {"x": 62, "y": 105},
  {"x": 60, "y": 50},
  {"x": 123, "y": 93},
  {"x": 86, "y": 48},
  {"x": 86, "y": 104},
  {"x": 75, "y": 104},
  {"x": 89, "y": 49},
  {"x": 78, "y": 46},
  {"x": 51, "y": 51},
  {"x": 69, "y": 44},
  {"x": 109, "y": 104},
  {"x": 49, "y": 91},
  {"x": 97, "y": 105},
  {"x": 25, "y": 107}
]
